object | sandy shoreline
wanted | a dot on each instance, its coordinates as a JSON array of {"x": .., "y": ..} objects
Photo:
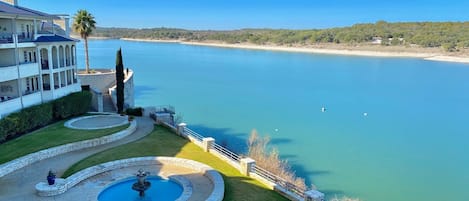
[{"x": 426, "y": 56}]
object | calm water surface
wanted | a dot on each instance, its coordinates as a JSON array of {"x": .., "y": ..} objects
[{"x": 412, "y": 145}]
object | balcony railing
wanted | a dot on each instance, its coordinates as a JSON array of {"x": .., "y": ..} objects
[
  {"x": 25, "y": 37},
  {"x": 27, "y": 92},
  {"x": 28, "y": 62},
  {"x": 6, "y": 38},
  {"x": 6, "y": 98}
]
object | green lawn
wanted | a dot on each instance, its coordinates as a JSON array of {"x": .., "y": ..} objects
[
  {"x": 161, "y": 142},
  {"x": 53, "y": 135}
]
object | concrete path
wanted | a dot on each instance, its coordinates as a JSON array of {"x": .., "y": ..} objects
[{"x": 19, "y": 185}]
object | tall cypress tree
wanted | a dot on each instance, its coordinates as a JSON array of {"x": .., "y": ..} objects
[{"x": 119, "y": 81}]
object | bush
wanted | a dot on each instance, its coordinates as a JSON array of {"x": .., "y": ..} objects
[
  {"x": 72, "y": 105},
  {"x": 38, "y": 116},
  {"x": 26, "y": 120},
  {"x": 258, "y": 150},
  {"x": 134, "y": 111}
]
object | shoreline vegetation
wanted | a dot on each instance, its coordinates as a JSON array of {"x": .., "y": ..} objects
[
  {"x": 433, "y": 54},
  {"x": 439, "y": 41}
]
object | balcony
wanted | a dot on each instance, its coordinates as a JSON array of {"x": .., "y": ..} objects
[
  {"x": 28, "y": 69},
  {"x": 9, "y": 104},
  {"x": 25, "y": 37},
  {"x": 8, "y": 73},
  {"x": 6, "y": 38},
  {"x": 32, "y": 98}
]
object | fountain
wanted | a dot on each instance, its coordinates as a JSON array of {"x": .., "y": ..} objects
[{"x": 141, "y": 185}]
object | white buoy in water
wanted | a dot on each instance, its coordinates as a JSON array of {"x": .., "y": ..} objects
[
  {"x": 365, "y": 114},
  {"x": 276, "y": 130},
  {"x": 323, "y": 109}
]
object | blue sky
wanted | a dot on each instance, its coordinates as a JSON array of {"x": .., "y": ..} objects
[{"x": 236, "y": 14}]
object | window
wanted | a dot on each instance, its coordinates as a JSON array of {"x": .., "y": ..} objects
[{"x": 25, "y": 56}]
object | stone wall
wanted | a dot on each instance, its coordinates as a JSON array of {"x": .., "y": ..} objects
[
  {"x": 128, "y": 90},
  {"x": 96, "y": 100},
  {"x": 64, "y": 184},
  {"x": 102, "y": 80},
  {"x": 29, "y": 159}
]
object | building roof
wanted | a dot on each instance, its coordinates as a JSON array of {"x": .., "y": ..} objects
[
  {"x": 9, "y": 9},
  {"x": 54, "y": 38}
]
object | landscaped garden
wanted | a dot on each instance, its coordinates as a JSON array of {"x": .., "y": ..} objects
[
  {"x": 162, "y": 142},
  {"x": 53, "y": 135}
]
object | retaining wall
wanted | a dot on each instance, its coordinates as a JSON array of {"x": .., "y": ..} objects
[
  {"x": 29, "y": 159},
  {"x": 63, "y": 185}
]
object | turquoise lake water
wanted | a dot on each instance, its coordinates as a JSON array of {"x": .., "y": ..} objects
[{"x": 412, "y": 145}]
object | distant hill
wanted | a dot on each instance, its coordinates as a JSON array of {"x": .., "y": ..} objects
[{"x": 451, "y": 36}]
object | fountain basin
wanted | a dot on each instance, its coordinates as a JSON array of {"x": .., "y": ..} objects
[{"x": 161, "y": 190}]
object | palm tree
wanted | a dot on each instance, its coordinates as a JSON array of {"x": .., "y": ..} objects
[{"x": 83, "y": 23}]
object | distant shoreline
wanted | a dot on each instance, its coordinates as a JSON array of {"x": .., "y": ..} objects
[{"x": 326, "y": 50}]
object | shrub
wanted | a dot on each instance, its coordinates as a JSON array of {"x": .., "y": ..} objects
[
  {"x": 72, "y": 105},
  {"x": 26, "y": 120},
  {"x": 138, "y": 111},
  {"x": 38, "y": 116},
  {"x": 258, "y": 150}
]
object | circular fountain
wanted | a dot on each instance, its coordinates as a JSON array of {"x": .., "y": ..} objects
[{"x": 142, "y": 184}]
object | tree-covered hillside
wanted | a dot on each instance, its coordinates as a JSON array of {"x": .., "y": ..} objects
[{"x": 451, "y": 36}]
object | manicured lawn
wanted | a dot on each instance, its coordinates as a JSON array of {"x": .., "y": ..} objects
[
  {"x": 53, "y": 135},
  {"x": 161, "y": 142}
]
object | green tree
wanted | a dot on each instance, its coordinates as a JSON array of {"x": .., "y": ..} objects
[
  {"x": 83, "y": 23},
  {"x": 119, "y": 82}
]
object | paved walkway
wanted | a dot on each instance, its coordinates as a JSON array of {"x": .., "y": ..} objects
[{"x": 19, "y": 185}]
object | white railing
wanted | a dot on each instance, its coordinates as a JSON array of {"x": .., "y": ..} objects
[
  {"x": 299, "y": 191},
  {"x": 226, "y": 152},
  {"x": 280, "y": 184},
  {"x": 192, "y": 133}
]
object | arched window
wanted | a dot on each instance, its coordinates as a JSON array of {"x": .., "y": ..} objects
[
  {"x": 73, "y": 50},
  {"x": 55, "y": 61},
  {"x": 61, "y": 56},
  {"x": 44, "y": 59},
  {"x": 67, "y": 55}
]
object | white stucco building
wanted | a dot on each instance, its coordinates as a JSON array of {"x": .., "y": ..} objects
[{"x": 37, "y": 57}]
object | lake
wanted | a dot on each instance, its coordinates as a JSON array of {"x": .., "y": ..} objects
[{"x": 393, "y": 129}]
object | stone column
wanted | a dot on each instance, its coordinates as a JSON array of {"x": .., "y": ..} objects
[
  {"x": 247, "y": 165},
  {"x": 314, "y": 195},
  {"x": 180, "y": 129},
  {"x": 207, "y": 143}
]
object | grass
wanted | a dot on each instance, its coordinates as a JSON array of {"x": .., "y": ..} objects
[
  {"x": 161, "y": 142},
  {"x": 53, "y": 135}
]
